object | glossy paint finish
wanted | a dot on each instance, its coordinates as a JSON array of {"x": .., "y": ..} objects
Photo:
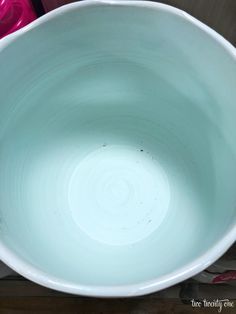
[{"x": 118, "y": 148}]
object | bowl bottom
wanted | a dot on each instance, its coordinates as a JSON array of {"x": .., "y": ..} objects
[{"x": 118, "y": 195}]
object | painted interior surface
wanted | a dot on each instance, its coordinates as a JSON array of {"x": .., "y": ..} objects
[{"x": 118, "y": 147}]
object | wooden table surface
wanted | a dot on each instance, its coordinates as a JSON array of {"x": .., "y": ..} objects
[
  {"x": 21, "y": 296},
  {"x": 18, "y": 295}
]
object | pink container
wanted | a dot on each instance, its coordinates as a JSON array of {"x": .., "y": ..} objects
[{"x": 15, "y": 14}]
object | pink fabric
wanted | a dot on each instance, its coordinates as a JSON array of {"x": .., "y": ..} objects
[{"x": 15, "y": 14}]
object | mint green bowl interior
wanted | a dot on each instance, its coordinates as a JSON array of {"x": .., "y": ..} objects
[{"x": 117, "y": 144}]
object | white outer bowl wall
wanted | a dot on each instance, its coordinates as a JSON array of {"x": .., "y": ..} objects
[{"x": 191, "y": 269}]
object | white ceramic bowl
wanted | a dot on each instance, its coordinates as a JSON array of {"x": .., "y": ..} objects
[{"x": 118, "y": 148}]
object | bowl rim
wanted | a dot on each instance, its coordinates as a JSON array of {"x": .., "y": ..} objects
[{"x": 31, "y": 272}]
